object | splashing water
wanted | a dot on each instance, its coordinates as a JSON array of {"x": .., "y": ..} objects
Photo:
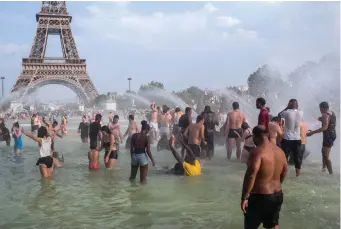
[{"x": 139, "y": 98}]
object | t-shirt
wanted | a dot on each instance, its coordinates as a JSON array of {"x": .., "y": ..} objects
[
  {"x": 192, "y": 170},
  {"x": 183, "y": 121},
  {"x": 292, "y": 122},
  {"x": 94, "y": 130},
  {"x": 84, "y": 129},
  {"x": 263, "y": 117}
]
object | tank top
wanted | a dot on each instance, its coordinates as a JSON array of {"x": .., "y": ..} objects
[
  {"x": 209, "y": 121},
  {"x": 331, "y": 124},
  {"x": 45, "y": 148}
]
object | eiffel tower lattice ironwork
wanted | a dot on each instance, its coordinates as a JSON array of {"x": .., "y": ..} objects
[{"x": 70, "y": 71}]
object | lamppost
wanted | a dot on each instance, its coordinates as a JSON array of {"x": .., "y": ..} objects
[
  {"x": 2, "y": 86},
  {"x": 129, "y": 79}
]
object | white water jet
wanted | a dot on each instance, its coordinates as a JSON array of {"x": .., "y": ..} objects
[
  {"x": 169, "y": 97},
  {"x": 139, "y": 98}
]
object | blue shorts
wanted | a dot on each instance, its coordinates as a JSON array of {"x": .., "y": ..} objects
[{"x": 139, "y": 159}]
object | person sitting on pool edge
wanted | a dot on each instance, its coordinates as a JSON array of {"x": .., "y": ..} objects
[{"x": 190, "y": 166}]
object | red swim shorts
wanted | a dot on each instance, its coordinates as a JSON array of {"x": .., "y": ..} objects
[{"x": 93, "y": 165}]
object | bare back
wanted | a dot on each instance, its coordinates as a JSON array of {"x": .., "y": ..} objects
[
  {"x": 272, "y": 170},
  {"x": 235, "y": 119},
  {"x": 274, "y": 131},
  {"x": 195, "y": 132}
]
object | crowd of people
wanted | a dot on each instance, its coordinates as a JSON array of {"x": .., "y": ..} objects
[{"x": 266, "y": 149}]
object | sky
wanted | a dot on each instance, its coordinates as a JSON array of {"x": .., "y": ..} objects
[{"x": 181, "y": 44}]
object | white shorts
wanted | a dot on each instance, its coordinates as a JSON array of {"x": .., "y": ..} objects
[{"x": 154, "y": 125}]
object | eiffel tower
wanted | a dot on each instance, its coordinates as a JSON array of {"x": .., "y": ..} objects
[{"x": 69, "y": 71}]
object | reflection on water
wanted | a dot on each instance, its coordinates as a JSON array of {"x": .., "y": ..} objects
[{"x": 78, "y": 198}]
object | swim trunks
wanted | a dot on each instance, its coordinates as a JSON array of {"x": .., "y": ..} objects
[
  {"x": 263, "y": 208},
  {"x": 48, "y": 161},
  {"x": 139, "y": 159},
  {"x": 93, "y": 165},
  {"x": 249, "y": 148},
  {"x": 232, "y": 133},
  {"x": 291, "y": 148},
  {"x": 195, "y": 149},
  {"x": 113, "y": 154},
  {"x": 128, "y": 142}
]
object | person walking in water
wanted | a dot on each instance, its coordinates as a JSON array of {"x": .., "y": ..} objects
[
  {"x": 262, "y": 195},
  {"x": 249, "y": 145},
  {"x": 328, "y": 120},
  {"x": 275, "y": 130},
  {"x": 44, "y": 141},
  {"x": 140, "y": 151},
  {"x": 233, "y": 130},
  {"x": 109, "y": 144},
  {"x": 83, "y": 130},
  {"x": 263, "y": 117},
  {"x": 132, "y": 129},
  {"x": 184, "y": 121},
  {"x": 94, "y": 135},
  {"x": 291, "y": 143},
  {"x": 195, "y": 134},
  {"x": 16, "y": 133},
  {"x": 154, "y": 121},
  {"x": 210, "y": 122}
]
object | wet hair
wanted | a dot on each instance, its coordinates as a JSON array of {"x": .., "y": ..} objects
[
  {"x": 144, "y": 125},
  {"x": 98, "y": 117},
  {"x": 293, "y": 104},
  {"x": 235, "y": 105},
  {"x": 199, "y": 118},
  {"x": 268, "y": 108},
  {"x": 276, "y": 119},
  {"x": 16, "y": 124},
  {"x": 187, "y": 110},
  {"x": 261, "y": 101},
  {"x": 42, "y": 132},
  {"x": 245, "y": 126},
  {"x": 116, "y": 117},
  {"x": 165, "y": 109},
  {"x": 260, "y": 131},
  {"x": 55, "y": 123},
  {"x": 324, "y": 105},
  {"x": 106, "y": 129},
  {"x": 177, "y": 109},
  {"x": 207, "y": 109},
  {"x": 131, "y": 117}
]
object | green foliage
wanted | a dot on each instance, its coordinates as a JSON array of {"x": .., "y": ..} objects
[{"x": 152, "y": 85}]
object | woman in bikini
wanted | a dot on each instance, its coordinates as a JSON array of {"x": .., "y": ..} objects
[
  {"x": 249, "y": 145},
  {"x": 109, "y": 145}
]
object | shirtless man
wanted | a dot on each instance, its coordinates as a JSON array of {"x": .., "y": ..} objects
[
  {"x": 275, "y": 131},
  {"x": 233, "y": 130},
  {"x": 132, "y": 129},
  {"x": 154, "y": 120},
  {"x": 164, "y": 122},
  {"x": 116, "y": 130},
  {"x": 262, "y": 195},
  {"x": 195, "y": 135},
  {"x": 94, "y": 135},
  {"x": 184, "y": 121}
]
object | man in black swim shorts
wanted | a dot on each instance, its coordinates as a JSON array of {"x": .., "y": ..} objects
[
  {"x": 262, "y": 198},
  {"x": 94, "y": 135},
  {"x": 328, "y": 120}
]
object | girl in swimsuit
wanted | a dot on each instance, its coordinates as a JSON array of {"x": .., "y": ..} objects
[
  {"x": 109, "y": 144},
  {"x": 16, "y": 133},
  {"x": 249, "y": 145}
]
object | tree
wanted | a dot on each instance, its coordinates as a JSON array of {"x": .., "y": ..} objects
[{"x": 152, "y": 85}]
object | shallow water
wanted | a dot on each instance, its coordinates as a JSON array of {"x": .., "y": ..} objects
[{"x": 78, "y": 198}]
